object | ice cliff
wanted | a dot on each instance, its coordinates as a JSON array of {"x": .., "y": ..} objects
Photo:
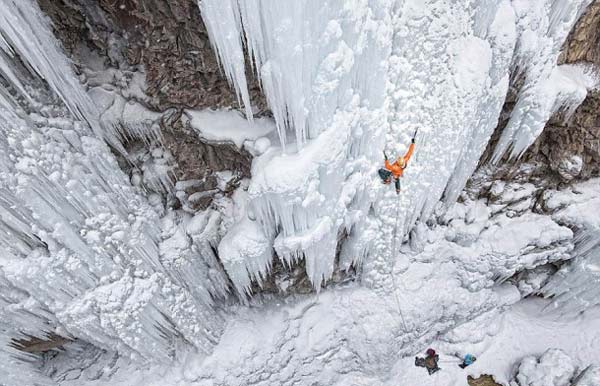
[
  {"x": 89, "y": 254},
  {"x": 357, "y": 77}
]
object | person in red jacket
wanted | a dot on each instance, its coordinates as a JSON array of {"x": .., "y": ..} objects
[
  {"x": 396, "y": 169},
  {"x": 430, "y": 362}
]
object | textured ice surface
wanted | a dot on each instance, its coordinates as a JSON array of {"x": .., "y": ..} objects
[
  {"x": 553, "y": 368},
  {"x": 577, "y": 285},
  {"x": 309, "y": 341},
  {"x": 449, "y": 293},
  {"x": 356, "y": 78},
  {"x": 85, "y": 255},
  {"x": 325, "y": 81}
]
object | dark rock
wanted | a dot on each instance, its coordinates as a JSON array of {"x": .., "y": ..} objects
[
  {"x": 554, "y": 158},
  {"x": 167, "y": 39},
  {"x": 484, "y": 380},
  {"x": 38, "y": 345}
]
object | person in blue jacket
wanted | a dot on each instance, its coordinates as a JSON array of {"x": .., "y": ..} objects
[{"x": 467, "y": 361}]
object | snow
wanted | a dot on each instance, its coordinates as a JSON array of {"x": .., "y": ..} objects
[
  {"x": 340, "y": 339},
  {"x": 575, "y": 286},
  {"x": 351, "y": 74},
  {"x": 447, "y": 296},
  {"x": 85, "y": 254},
  {"x": 589, "y": 377},
  {"x": 553, "y": 368},
  {"x": 219, "y": 126}
]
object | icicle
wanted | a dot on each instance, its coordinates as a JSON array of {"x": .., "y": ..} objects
[
  {"x": 543, "y": 27},
  {"x": 26, "y": 32},
  {"x": 76, "y": 237},
  {"x": 224, "y": 29},
  {"x": 324, "y": 80}
]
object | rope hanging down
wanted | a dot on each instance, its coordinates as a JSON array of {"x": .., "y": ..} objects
[{"x": 392, "y": 271}]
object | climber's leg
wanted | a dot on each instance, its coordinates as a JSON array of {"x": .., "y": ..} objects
[{"x": 385, "y": 175}]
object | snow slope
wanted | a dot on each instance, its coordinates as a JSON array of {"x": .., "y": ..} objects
[
  {"x": 293, "y": 343},
  {"x": 447, "y": 296}
]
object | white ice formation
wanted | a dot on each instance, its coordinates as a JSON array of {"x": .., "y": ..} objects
[
  {"x": 85, "y": 255},
  {"x": 553, "y": 368},
  {"x": 576, "y": 286},
  {"x": 357, "y": 77}
]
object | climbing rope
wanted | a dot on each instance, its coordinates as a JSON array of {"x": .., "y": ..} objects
[{"x": 392, "y": 271}]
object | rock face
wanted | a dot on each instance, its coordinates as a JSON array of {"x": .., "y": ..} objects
[
  {"x": 569, "y": 147},
  {"x": 166, "y": 43},
  {"x": 572, "y": 149},
  {"x": 165, "y": 39},
  {"x": 484, "y": 380},
  {"x": 583, "y": 44}
]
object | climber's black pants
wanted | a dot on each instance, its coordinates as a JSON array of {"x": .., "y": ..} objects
[{"x": 385, "y": 175}]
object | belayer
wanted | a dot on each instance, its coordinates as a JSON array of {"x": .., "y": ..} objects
[
  {"x": 467, "y": 361},
  {"x": 430, "y": 362},
  {"x": 396, "y": 169}
]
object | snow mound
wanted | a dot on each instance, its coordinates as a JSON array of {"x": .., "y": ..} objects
[
  {"x": 553, "y": 368},
  {"x": 223, "y": 126}
]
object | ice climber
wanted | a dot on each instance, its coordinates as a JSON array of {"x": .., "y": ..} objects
[
  {"x": 430, "y": 362},
  {"x": 396, "y": 169},
  {"x": 467, "y": 361}
]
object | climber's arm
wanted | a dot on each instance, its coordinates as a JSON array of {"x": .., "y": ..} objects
[
  {"x": 388, "y": 165},
  {"x": 409, "y": 153}
]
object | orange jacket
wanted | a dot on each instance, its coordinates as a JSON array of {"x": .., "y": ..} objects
[{"x": 397, "y": 168}]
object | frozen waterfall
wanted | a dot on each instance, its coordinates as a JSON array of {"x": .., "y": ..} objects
[
  {"x": 83, "y": 253},
  {"x": 355, "y": 78}
]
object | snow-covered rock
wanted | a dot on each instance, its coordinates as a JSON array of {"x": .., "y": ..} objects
[
  {"x": 569, "y": 168},
  {"x": 553, "y": 368},
  {"x": 575, "y": 286}
]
